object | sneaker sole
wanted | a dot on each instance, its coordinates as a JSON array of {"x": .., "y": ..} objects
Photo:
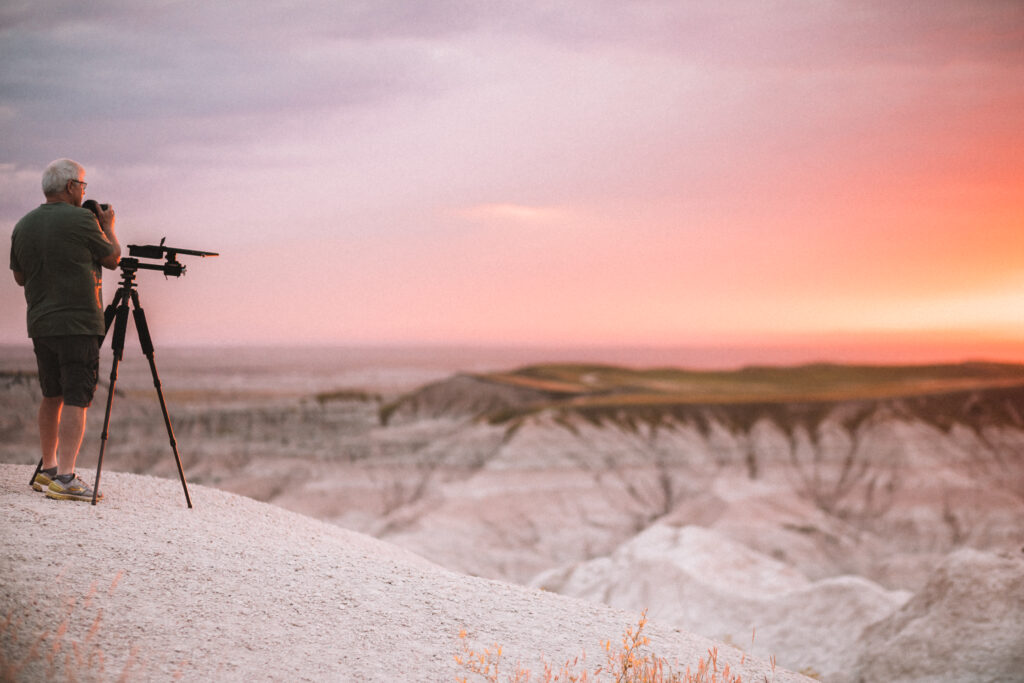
[{"x": 72, "y": 496}]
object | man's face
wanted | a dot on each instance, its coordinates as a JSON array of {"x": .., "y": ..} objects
[{"x": 76, "y": 188}]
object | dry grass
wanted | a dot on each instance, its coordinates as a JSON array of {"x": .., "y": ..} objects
[
  {"x": 69, "y": 650},
  {"x": 63, "y": 654},
  {"x": 631, "y": 662}
]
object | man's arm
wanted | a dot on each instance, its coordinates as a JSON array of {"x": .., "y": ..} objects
[
  {"x": 19, "y": 277},
  {"x": 106, "y": 221}
]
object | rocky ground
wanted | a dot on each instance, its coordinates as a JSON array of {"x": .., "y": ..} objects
[
  {"x": 144, "y": 589},
  {"x": 830, "y": 531}
]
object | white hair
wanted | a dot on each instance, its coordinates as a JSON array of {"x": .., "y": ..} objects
[{"x": 58, "y": 173}]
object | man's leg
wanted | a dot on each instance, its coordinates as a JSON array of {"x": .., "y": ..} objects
[
  {"x": 66, "y": 485},
  {"x": 79, "y": 369},
  {"x": 72, "y": 429},
  {"x": 49, "y": 425},
  {"x": 48, "y": 363}
]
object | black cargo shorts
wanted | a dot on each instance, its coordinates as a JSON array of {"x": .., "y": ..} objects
[{"x": 69, "y": 367}]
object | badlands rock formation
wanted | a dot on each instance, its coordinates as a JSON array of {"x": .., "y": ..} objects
[
  {"x": 808, "y": 521},
  {"x": 881, "y": 488},
  {"x": 971, "y": 611}
]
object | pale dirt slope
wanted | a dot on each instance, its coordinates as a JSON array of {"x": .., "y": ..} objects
[{"x": 237, "y": 590}]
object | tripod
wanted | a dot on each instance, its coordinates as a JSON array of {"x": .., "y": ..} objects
[{"x": 117, "y": 313}]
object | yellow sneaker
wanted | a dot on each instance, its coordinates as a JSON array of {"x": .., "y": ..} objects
[{"x": 76, "y": 489}]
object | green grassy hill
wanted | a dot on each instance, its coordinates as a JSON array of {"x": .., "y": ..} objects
[{"x": 594, "y": 385}]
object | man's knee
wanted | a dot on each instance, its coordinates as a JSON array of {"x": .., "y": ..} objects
[{"x": 81, "y": 397}]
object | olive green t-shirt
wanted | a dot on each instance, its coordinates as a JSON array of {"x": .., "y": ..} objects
[{"x": 58, "y": 247}]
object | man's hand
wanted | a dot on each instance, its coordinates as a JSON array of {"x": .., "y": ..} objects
[{"x": 105, "y": 218}]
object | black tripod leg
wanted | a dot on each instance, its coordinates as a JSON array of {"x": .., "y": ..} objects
[
  {"x": 117, "y": 344},
  {"x": 111, "y": 312},
  {"x": 39, "y": 468},
  {"x": 142, "y": 328}
]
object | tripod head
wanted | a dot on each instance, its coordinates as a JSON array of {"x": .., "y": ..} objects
[{"x": 171, "y": 266}]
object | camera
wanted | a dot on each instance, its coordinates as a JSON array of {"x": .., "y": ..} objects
[{"x": 94, "y": 206}]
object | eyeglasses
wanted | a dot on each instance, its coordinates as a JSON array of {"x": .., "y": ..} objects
[{"x": 83, "y": 184}]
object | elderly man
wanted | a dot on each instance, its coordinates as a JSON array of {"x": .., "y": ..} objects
[{"x": 56, "y": 253}]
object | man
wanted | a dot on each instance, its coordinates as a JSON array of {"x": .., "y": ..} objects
[{"x": 56, "y": 253}]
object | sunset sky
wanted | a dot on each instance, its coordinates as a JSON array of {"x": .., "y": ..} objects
[{"x": 846, "y": 177}]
